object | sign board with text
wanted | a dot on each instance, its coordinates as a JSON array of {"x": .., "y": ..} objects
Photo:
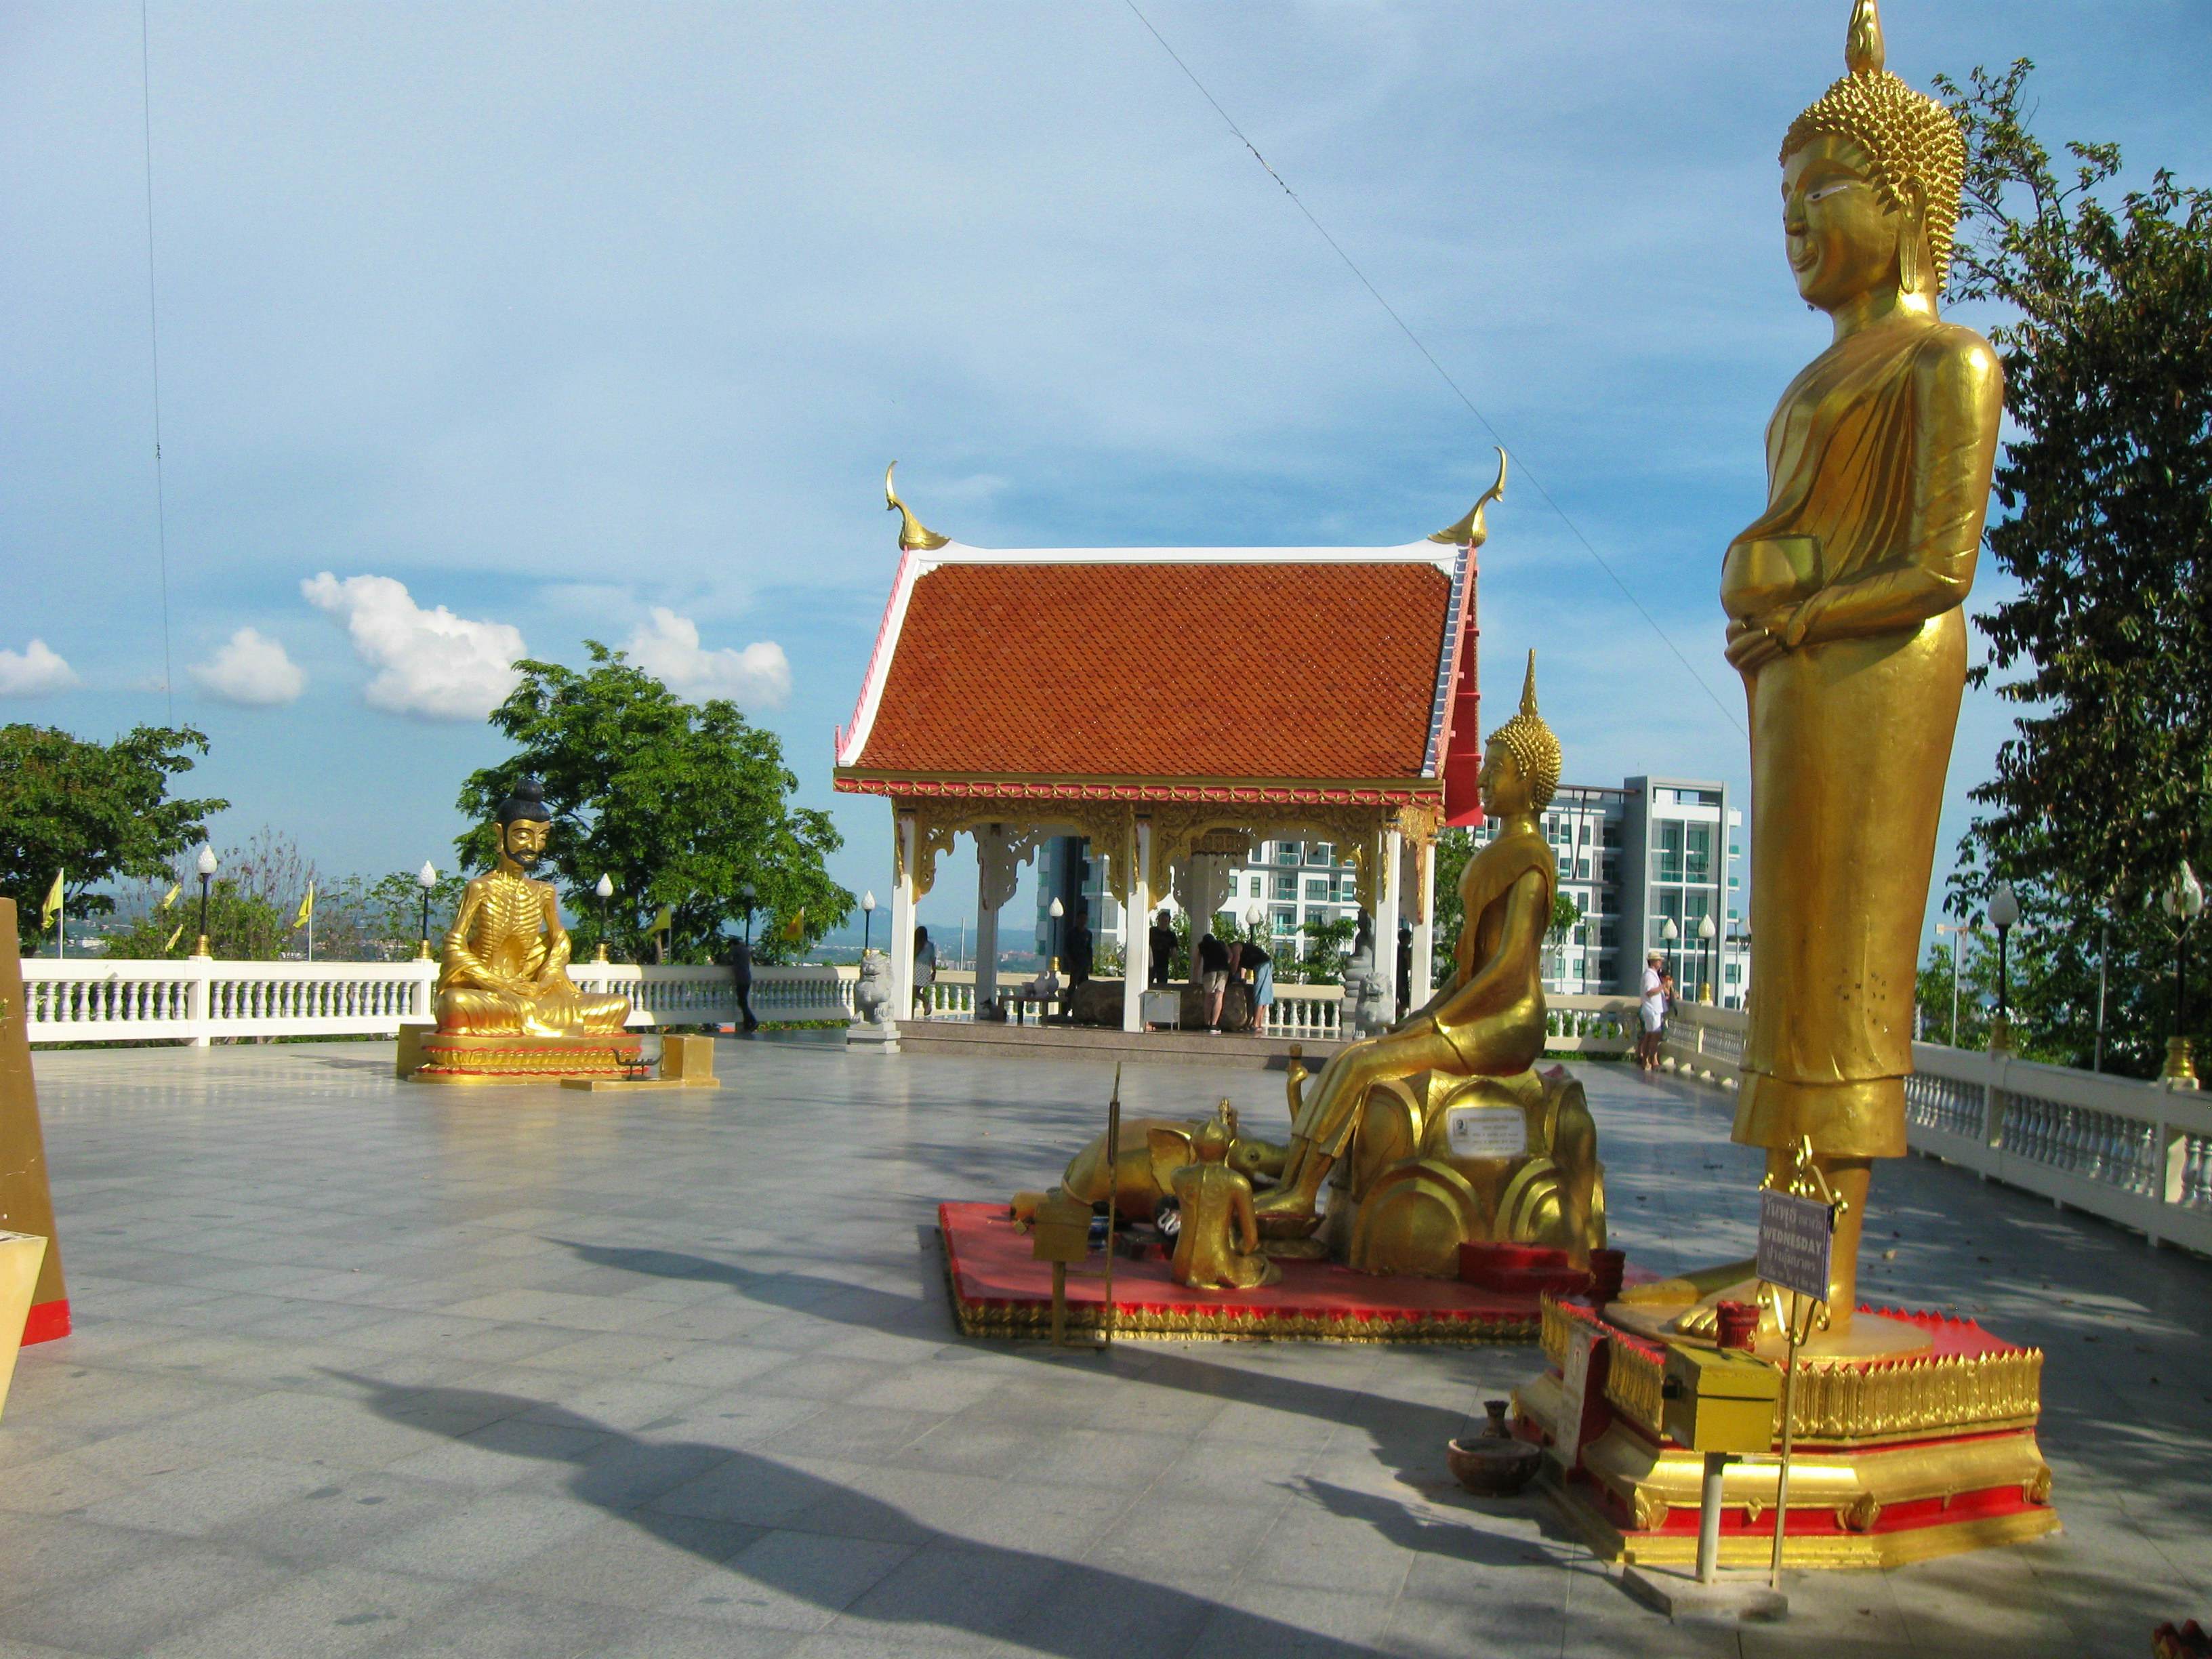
[
  {"x": 1796, "y": 1241},
  {"x": 1574, "y": 1395},
  {"x": 1486, "y": 1131}
]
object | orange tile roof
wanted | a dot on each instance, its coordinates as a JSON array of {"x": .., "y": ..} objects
[{"x": 1172, "y": 670}]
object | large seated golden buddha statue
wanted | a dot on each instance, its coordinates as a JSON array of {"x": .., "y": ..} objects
[
  {"x": 507, "y": 1008},
  {"x": 1451, "y": 1134}
]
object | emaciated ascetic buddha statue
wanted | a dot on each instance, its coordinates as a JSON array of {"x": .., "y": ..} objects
[
  {"x": 1396, "y": 1103},
  {"x": 1843, "y": 605},
  {"x": 503, "y": 972}
]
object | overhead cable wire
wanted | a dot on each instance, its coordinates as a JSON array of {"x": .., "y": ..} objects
[
  {"x": 154, "y": 333},
  {"x": 1442, "y": 374}
]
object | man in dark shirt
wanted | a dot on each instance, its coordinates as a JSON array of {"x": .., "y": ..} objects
[
  {"x": 1255, "y": 961},
  {"x": 1079, "y": 944},
  {"x": 1405, "y": 967},
  {"x": 1163, "y": 949},
  {"x": 741, "y": 971},
  {"x": 1212, "y": 977}
]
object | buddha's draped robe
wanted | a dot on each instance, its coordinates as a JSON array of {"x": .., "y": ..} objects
[{"x": 1881, "y": 452}]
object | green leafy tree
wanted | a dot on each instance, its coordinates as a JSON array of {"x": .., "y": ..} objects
[
  {"x": 252, "y": 904},
  {"x": 380, "y": 919},
  {"x": 99, "y": 811},
  {"x": 2105, "y": 642},
  {"x": 679, "y": 805}
]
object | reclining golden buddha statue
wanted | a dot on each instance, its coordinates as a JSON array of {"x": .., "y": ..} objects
[
  {"x": 506, "y": 1006},
  {"x": 1452, "y": 1135}
]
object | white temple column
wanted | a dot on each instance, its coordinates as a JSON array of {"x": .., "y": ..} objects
[
  {"x": 1385, "y": 921},
  {"x": 1424, "y": 925},
  {"x": 901, "y": 944},
  {"x": 1136, "y": 928}
]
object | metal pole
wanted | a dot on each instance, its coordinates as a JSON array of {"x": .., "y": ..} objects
[
  {"x": 1954, "y": 990},
  {"x": 1782, "y": 1479},
  {"x": 2104, "y": 960},
  {"x": 1709, "y": 1518},
  {"x": 1113, "y": 1207}
]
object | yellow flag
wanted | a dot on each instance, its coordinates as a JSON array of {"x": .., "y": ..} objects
[
  {"x": 306, "y": 909},
  {"x": 53, "y": 905},
  {"x": 795, "y": 929},
  {"x": 169, "y": 897},
  {"x": 663, "y": 919},
  {"x": 170, "y": 943}
]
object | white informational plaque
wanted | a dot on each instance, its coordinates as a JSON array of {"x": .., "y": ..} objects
[
  {"x": 1486, "y": 1131},
  {"x": 1796, "y": 1237},
  {"x": 1574, "y": 1393}
]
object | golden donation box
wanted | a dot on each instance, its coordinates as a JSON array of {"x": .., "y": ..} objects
[
  {"x": 1713, "y": 1400},
  {"x": 1060, "y": 1230}
]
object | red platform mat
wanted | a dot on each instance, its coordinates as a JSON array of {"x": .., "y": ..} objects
[{"x": 999, "y": 1290}]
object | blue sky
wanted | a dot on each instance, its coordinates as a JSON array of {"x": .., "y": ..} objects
[{"x": 601, "y": 321}]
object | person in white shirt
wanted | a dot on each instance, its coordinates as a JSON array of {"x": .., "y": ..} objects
[{"x": 1653, "y": 1010}]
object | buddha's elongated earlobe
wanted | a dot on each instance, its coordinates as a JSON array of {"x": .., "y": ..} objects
[{"x": 1911, "y": 242}]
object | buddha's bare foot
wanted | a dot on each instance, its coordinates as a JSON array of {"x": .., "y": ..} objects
[{"x": 1288, "y": 1212}]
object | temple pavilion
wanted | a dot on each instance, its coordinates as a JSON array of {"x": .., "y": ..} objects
[{"x": 1114, "y": 693}]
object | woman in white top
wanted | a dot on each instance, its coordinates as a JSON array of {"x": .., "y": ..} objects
[{"x": 1653, "y": 1010}]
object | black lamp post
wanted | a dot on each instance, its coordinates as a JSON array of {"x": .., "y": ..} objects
[
  {"x": 2183, "y": 901},
  {"x": 749, "y": 896},
  {"x": 2004, "y": 912},
  {"x": 427, "y": 880},
  {"x": 867, "y": 919},
  {"x": 205, "y": 865}
]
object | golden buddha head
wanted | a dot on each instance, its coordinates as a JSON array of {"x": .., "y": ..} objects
[
  {"x": 1871, "y": 175},
  {"x": 1210, "y": 1145},
  {"x": 1521, "y": 763},
  {"x": 523, "y": 824}
]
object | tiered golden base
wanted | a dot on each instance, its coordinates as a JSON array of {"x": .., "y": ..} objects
[
  {"x": 1897, "y": 1461},
  {"x": 449, "y": 1057}
]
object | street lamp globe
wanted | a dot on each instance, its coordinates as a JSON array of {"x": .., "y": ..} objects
[
  {"x": 1670, "y": 932},
  {"x": 1058, "y": 909},
  {"x": 2184, "y": 897},
  {"x": 605, "y": 889},
  {"x": 1705, "y": 928},
  {"x": 205, "y": 862},
  {"x": 868, "y": 903},
  {"x": 1253, "y": 917},
  {"x": 427, "y": 877},
  {"x": 2004, "y": 906}
]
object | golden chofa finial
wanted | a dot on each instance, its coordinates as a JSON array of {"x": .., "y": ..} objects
[
  {"x": 1863, "y": 48},
  {"x": 1471, "y": 532},
  {"x": 913, "y": 535}
]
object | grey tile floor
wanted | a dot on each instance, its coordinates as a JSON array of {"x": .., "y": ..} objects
[{"x": 365, "y": 1368}]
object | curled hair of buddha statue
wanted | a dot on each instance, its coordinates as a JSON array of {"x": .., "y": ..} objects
[
  {"x": 526, "y": 804},
  {"x": 1211, "y": 1143},
  {"x": 1535, "y": 749},
  {"x": 1909, "y": 139}
]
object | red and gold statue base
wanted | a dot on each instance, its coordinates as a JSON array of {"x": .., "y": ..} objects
[{"x": 1896, "y": 1458}]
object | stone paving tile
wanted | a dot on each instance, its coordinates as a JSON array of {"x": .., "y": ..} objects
[{"x": 362, "y": 1370}]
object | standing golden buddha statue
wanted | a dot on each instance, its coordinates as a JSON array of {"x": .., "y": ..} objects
[
  {"x": 507, "y": 1007},
  {"x": 1843, "y": 603}
]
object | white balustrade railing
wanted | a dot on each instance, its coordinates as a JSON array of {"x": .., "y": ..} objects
[
  {"x": 2137, "y": 1153},
  {"x": 196, "y": 1000}
]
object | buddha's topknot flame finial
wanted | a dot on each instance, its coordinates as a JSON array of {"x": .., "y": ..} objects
[
  {"x": 1863, "y": 48},
  {"x": 1528, "y": 685},
  {"x": 1535, "y": 748}
]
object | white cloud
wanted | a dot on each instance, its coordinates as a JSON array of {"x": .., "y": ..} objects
[
  {"x": 667, "y": 645},
  {"x": 39, "y": 667},
  {"x": 251, "y": 669},
  {"x": 433, "y": 663}
]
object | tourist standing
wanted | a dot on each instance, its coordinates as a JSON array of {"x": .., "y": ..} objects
[
  {"x": 1261, "y": 966},
  {"x": 1079, "y": 945},
  {"x": 1651, "y": 1010},
  {"x": 1212, "y": 977},
  {"x": 1163, "y": 961},
  {"x": 925, "y": 971},
  {"x": 741, "y": 974},
  {"x": 1405, "y": 967}
]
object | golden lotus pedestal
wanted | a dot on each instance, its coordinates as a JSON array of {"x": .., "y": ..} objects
[
  {"x": 1899, "y": 1457},
  {"x": 455, "y": 1057}
]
